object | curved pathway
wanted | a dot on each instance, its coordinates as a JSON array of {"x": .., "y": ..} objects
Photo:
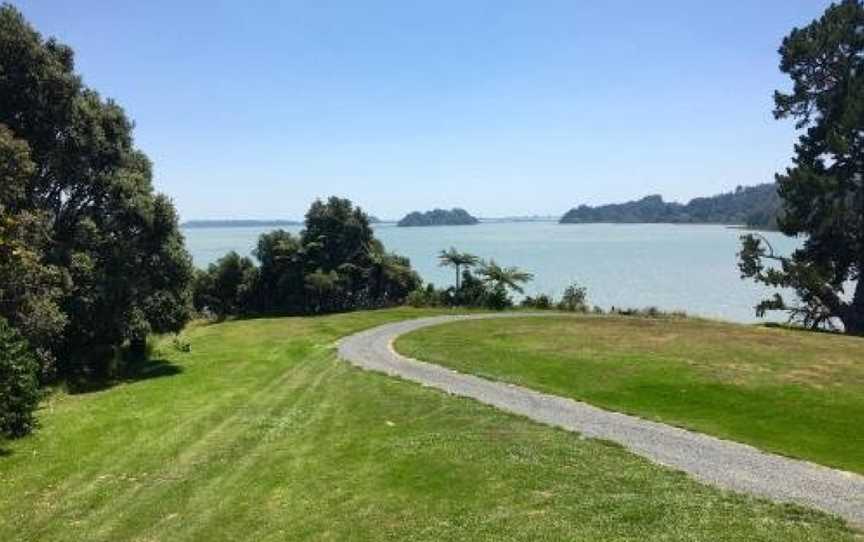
[{"x": 722, "y": 463}]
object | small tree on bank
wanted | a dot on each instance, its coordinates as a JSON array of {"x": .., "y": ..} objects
[
  {"x": 459, "y": 260},
  {"x": 823, "y": 193},
  {"x": 508, "y": 278}
]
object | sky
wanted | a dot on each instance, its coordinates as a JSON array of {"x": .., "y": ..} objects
[{"x": 254, "y": 109}]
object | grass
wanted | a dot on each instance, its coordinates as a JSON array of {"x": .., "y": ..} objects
[
  {"x": 791, "y": 392},
  {"x": 260, "y": 433}
]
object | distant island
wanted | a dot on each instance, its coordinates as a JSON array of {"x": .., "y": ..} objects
[
  {"x": 752, "y": 206},
  {"x": 238, "y": 223},
  {"x": 438, "y": 217}
]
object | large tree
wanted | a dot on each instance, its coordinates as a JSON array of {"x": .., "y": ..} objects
[
  {"x": 823, "y": 192},
  {"x": 114, "y": 241}
]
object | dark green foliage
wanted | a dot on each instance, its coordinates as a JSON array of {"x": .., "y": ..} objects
[
  {"x": 438, "y": 217},
  {"x": 574, "y": 299},
  {"x": 488, "y": 288},
  {"x": 336, "y": 234},
  {"x": 541, "y": 302},
  {"x": 226, "y": 287},
  {"x": 335, "y": 264},
  {"x": 19, "y": 383},
  {"x": 344, "y": 266},
  {"x": 280, "y": 275},
  {"x": 754, "y": 206},
  {"x": 30, "y": 289},
  {"x": 107, "y": 259},
  {"x": 823, "y": 193}
]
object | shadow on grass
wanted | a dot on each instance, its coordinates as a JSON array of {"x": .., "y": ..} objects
[{"x": 134, "y": 371}]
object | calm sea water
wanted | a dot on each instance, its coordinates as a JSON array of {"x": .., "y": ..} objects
[{"x": 692, "y": 268}]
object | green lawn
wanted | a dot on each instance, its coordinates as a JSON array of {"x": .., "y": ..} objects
[
  {"x": 260, "y": 433},
  {"x": 792, "y": 392}
]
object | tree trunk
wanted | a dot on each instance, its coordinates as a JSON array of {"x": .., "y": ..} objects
[{"x": 138, "y": 347}]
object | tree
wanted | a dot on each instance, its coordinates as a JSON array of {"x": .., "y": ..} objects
[
  {"x": 19, "y": 383},
  {"x": 574, "y": 299},
  {"x": 336, "y": 233},
  {"x": 459, "y": 260},
  {"x": 507, "y": 277},
  {"x": 389, "y": 275},
  {"x": 823, "y": 192},
  {"x": 113, "y": 241},
  {"x": 280, "y": 276},
  {"x": 226, "y": 286}
]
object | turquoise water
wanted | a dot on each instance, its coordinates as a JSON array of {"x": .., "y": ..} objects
[{"x": 686, "y": 267}]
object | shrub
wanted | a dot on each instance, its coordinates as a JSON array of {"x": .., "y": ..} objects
[
  {"x": 541, "y": 302},
  {"x": 180, "y": 344},
  {"x": 496, "y": 298},
  {"x": 424, "y": 297},
  {"x": 19, "y": 383},
  {"x": 574, "y": 299}
]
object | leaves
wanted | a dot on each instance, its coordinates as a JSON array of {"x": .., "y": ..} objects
[{"x": 507, "y": 277}]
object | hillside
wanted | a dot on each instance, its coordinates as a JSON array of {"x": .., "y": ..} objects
[
  {"x": 257, "y": 431},
  {"x": 754, "y": 206},
  {"x": 439, "y": 217}
]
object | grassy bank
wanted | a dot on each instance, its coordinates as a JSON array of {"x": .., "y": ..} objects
[
  {"x": 791, "y": 392},
  {"x": 260, "y": 433}
]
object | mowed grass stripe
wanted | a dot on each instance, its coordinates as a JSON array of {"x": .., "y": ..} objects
[{"x": 228, "y": 450}]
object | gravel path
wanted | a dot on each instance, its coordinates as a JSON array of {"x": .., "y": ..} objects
[{"x": 722, "y": 463}]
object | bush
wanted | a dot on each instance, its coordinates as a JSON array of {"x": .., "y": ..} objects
[
  {"x": 496, "y": 299},
  {"x": 424, "y": 297},
  {"x": 541, "y": 302},
  {"x": 574, "y": 299},
  {"x": 19, "y": 383}
]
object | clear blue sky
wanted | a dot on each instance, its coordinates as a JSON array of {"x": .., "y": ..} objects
[{"x": 252, "y": 109}]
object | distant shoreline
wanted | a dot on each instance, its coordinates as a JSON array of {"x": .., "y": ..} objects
[
  {"x": 214, "y": 224},
  {"x": 238, "y": 223}
]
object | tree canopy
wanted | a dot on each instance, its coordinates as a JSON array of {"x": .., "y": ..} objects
[
  {"x": 105, "y": 258},
  {"x": 335, "y": 264},
  {"x": 823, "y": 192}
]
